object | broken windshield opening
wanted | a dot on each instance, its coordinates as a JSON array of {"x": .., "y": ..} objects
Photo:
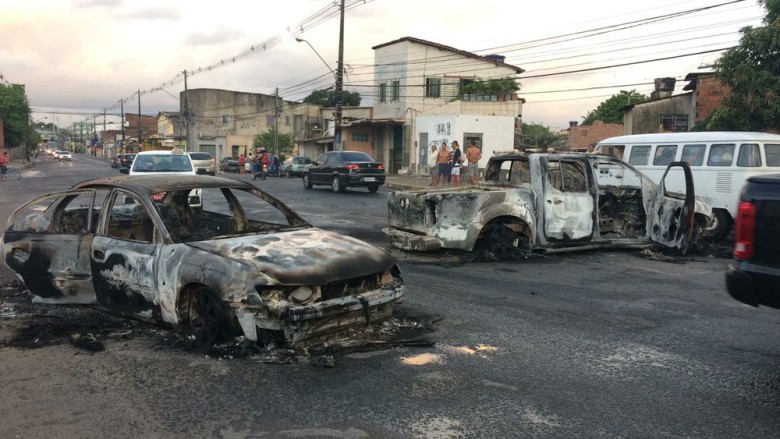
[
  {"x": 510, "y": 172},
  {"x": 224, "y": 213}
]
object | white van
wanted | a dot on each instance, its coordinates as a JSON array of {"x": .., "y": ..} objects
[{"x": 721, "y": 161}]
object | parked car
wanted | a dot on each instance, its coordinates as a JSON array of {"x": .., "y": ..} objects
[
  {"x": 243, "y": 265},
  {"x": 294, "y": 166},
  {"x": 229, "y": 164},
  {"x": 64, "y": 155},
  {"x": 343, "y": 169},
  {"x": 754, "y": 277},
  {"x": 204, "y": 160},
  {"x": 551, "y": 202}
]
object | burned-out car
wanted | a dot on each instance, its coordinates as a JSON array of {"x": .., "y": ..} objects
[
  {"x": 551, "y": 202},
  {"x": 243, "y": 263}
]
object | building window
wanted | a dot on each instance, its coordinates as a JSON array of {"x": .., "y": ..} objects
[
  {"x": 396, "y": 90},
  {"x": 674, "y": 122},
  {"x": 383, "y": 92},
  {"x": 432, "y": 87},
  {"x": 360, "y": 137}
]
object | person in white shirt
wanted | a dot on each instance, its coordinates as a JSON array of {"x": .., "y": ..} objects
[{"x": 433, "y": 166}]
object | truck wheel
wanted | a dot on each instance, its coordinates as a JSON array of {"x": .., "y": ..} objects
[
  {"x": 505, "y": 243},
  {"x": 721, "y": 226},
  {"x": 306, "y": 181}
]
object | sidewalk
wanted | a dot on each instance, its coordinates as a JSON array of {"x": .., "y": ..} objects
[{"x": 394, "y": 181}]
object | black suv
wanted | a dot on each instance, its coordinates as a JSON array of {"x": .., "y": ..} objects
[
  {"x": 754, "y": 278},
  {"x": 343, "y": 169}
]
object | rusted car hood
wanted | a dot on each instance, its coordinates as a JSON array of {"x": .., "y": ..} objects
[{"x": 303, "y": 257}]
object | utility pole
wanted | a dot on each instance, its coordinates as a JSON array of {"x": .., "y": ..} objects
[
  {"x": 94, "y": 132},
  {"x": 339, "y": 84},
  {"x": 103, "y": 137},
  {"x": 122, "y": 122},
  {"x": 140, "y": 131},
  {"x": 186, "y": 114},
  {"x": 276, "y": 122}
]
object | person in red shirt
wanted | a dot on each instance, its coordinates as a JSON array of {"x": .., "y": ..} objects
[
  {"x": 3, "y": 165},
  {"x": 241, "y": 163}
]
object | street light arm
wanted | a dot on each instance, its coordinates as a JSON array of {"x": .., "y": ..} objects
[{"x": 301, "y": 40}]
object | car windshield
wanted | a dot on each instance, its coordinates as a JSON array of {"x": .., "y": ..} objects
[
  {"x": 301, "y": 160},
  {"x": 161, "y": 163},
  {"x": 225, "y": 213},
  {"x": 200, "y": 156}
]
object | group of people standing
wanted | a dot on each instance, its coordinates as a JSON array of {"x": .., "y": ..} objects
[{"x": 446, "y": 165}]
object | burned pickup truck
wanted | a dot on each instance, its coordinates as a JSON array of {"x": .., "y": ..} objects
[{"x": 551, "y": 202}]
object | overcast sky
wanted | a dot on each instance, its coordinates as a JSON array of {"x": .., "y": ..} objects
[{"x": 79, "y": 57}]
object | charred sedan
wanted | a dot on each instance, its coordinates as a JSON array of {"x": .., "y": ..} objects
[
  {"x": 551, "y": 202},
  {"x": 244, "y": 263}
]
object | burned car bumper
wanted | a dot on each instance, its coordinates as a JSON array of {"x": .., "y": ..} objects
[
  {"x": 299, "y": 322},
  {"x": 412, "y": 241}
]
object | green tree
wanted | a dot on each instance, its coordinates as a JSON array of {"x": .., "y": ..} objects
[
  {"x": 327, "y": 98},
  {"x": 751, "y": 70},
  {"x": 267, "y": 140},
  {"x": 611, "y": 110},
  {"x": 540, "y": 136},
  {"x": 15, "y": 111}
]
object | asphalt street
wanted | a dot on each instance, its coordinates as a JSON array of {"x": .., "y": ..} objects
[{"x": 597, "y": 344}]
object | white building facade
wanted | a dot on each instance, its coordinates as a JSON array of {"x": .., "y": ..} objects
[{"x": 423, "y": 98}]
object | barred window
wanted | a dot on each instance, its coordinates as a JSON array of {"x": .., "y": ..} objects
[
  {"x": 432, "y": 87},
  {"x": 383, "y": 92},
  {"x": 396, "y": 90}
]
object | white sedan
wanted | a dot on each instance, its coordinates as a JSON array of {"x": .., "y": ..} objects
[{"x": 64, "y": 155}]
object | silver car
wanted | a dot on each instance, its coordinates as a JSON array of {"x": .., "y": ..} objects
[{"x": 205, "y": 161}]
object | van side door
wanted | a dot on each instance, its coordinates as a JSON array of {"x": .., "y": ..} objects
[{"x": 672, "y": 213}]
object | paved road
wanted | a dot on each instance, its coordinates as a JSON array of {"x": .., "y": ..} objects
[{"x": 602, "y": 344}]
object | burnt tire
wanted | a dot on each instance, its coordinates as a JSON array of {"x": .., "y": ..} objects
[
  {"x": 306, "y": 181},
  {"x": 373, "y": 188},
  {"x": 207, "y": 317},
  {"x": 721, "y": 226},
  {"x": 505, "y": 243},
  {"x": 337, "y": 185}
]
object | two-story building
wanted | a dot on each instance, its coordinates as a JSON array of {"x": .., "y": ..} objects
[
  {"x": 225, "y": 123},
  {"x": 424, "y": 98}
]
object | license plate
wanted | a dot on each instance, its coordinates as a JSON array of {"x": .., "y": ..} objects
[{"x": 369, "y": 179}]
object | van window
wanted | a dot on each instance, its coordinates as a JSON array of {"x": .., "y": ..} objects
[
  {"x": 772, "y": 154},
  {"x": 721, "y": 155},
  {"x": 693, "y": 154},
  {"x": 749, "y": 156},
  {"x": 664, "y": 154},
  {"x": 639, "y": 155}
]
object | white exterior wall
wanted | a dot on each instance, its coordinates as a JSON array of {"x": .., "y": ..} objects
[
  {"x": 410, "y": 63},
  {"x": 497, "y": 133}
]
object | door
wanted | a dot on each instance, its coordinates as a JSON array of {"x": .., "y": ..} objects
[
  {"x": 568, "y": 202},
  {"x": 124, "y": 255},
  {"x": 322, "y": 172},
  {"x": 48, "y": 243},
  {"x": 673, "y": 212}
]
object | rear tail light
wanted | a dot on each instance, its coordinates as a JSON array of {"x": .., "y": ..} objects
[
  {"x": 380, "y": 166},
  {"x": 158, "y": 196},
  {"x": 353, "y": 167},
  {"x": 744, "y": 243}
]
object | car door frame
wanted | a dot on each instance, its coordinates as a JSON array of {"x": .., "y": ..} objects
[
  {"x": 320, "y": 174},
  {"x": 673, "y": 216},
  {"x": 572, "y": 213},
  {"x": 65, "y": 257},
  {"x": 125, "y": 272}
]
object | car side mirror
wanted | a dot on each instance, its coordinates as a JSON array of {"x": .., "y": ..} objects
[{"x": 124, "y": 170}]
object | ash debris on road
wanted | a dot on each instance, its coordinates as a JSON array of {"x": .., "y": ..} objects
[{"x": 27, "y": 325}]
